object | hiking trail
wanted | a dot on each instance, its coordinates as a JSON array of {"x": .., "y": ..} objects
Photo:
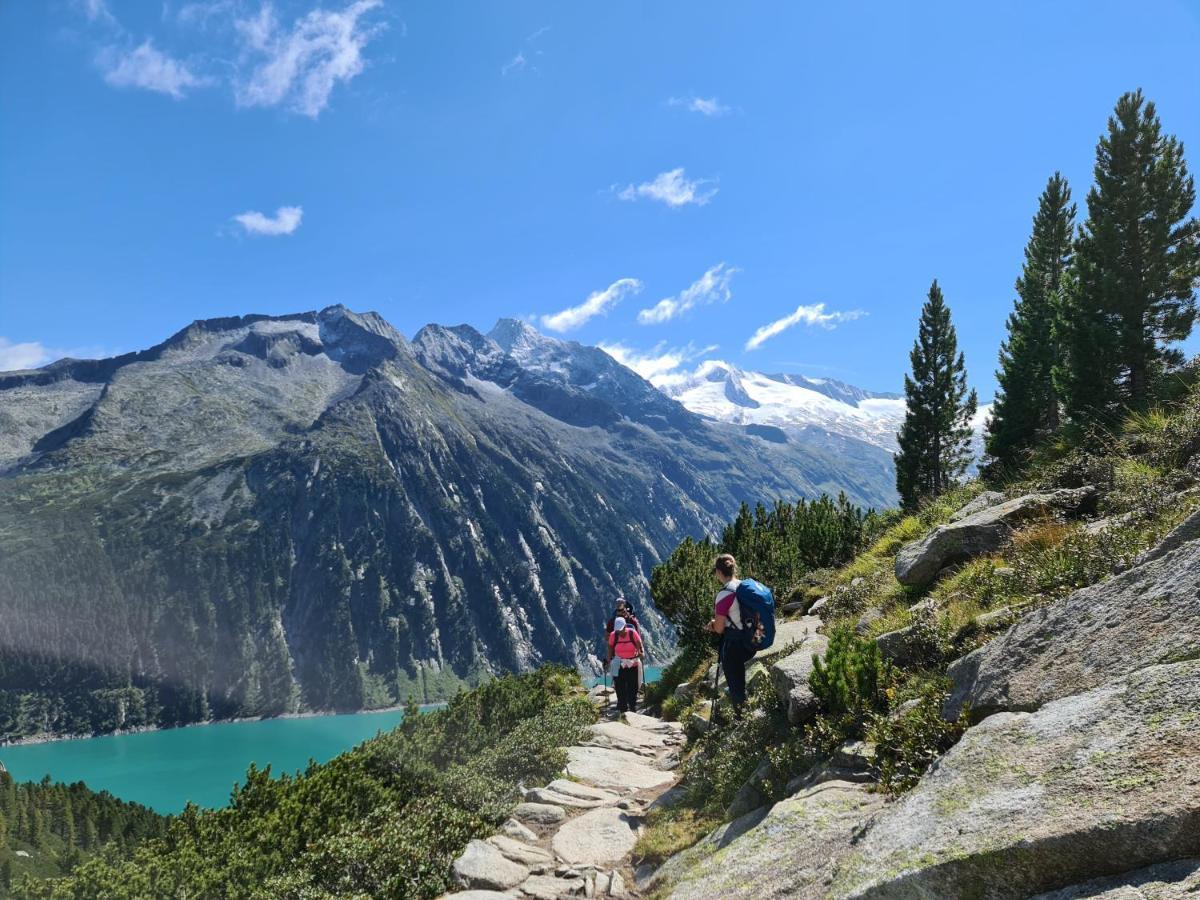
[{"x": 574, "y": 837}]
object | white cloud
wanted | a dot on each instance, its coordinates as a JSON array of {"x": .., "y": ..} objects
[
  {"x": 672, "y": 188},
  {"x": 813, "y": 314},
  {"x": 706, "y": 106},
  {"x": 148, "y": 68},
  {"x": 661, "y": 365},
  {"x": 285, "y": 221},
  {"x": 28, "y": 355},
  {"x": 597, "y": 304},
  {"x": 711, "y": 287},
  {"x": 516, "y": 64},
  {"x": 301, "y": 66},
  {"x": 33, "y": 354},
  {"x": 537, "y": 34}
]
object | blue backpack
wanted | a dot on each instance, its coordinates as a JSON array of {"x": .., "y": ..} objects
[{"x": 757, "y": 605}]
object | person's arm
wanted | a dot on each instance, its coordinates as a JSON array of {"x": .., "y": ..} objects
[{"x": 720, "y": 617}]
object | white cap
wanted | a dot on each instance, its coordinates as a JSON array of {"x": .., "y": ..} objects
[{"x": 619, "y": 624}]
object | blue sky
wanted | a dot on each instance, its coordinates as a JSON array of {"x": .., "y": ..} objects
[{"x": 670, "y": 175}]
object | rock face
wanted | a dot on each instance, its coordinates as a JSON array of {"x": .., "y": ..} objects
[
  {"x": 980, "y": 503},
  {"x": 789, "y": 676},
  {"x": 1175, "y": 880},
  {"x": 980, "y": 533},
  {"x": 1147, "y": 615},
  {"x": 789, "y": 852},
  {"x": 1092, "y": 784}
]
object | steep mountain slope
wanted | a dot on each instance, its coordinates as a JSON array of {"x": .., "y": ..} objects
[{"x": 263, "y": 513}]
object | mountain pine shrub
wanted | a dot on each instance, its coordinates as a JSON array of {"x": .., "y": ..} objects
[{"x": 851, "y": 681}]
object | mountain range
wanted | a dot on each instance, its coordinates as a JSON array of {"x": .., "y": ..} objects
[{"x": 263, "y": 514}]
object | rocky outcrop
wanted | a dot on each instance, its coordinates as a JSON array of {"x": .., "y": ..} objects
[
  {"x": 982, "y": 532},
  {"x": 789, "y": 677},
  {"x": 599, "y": 837},
  {"x": 1175, "y": 880},
  {"x": 980, "y": 503},
  {"x": 482, "y": 865},
  {"x": 791, "y": 851},
  {"x": 616, "y": 769},
  {"x": 1092, "y": 784},
  {"x": 1145, "y": 616}
]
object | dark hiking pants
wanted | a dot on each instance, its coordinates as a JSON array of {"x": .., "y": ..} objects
[
  {"x": 626, "y": 684},
  {"x": 734, "y": 656}
]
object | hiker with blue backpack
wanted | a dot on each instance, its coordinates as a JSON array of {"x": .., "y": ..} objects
[{"x": 744, "y": 619}]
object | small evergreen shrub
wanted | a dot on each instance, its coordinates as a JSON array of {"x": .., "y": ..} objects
[
  {"x": 907, "y": 745},
  {"x": 851, "y": 683}
]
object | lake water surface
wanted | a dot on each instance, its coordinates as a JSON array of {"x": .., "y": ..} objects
[{"x": 165, "y": 769}]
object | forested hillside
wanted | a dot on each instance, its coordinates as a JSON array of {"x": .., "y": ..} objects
[{"x": 383, "y": 820}]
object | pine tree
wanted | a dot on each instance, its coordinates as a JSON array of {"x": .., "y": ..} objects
[
  {"x": 1137, "y": 263},
  {"x": 936, "y": 434},
  {"x": 1027, "y": 405}
]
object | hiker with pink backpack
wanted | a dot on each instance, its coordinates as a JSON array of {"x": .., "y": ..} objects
[{"x": 625, "y": 654}]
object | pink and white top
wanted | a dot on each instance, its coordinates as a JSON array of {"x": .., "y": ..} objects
[{"x": 727, "y": 604}]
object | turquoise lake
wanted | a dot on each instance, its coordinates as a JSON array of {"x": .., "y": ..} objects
[{"x": 165, "y": 769}]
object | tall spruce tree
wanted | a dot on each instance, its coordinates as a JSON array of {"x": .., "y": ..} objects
[
  {"x": 1027, "y": 405},
  {"x": 935, "y": 438},
  {"x": 1136, "y": 266}
]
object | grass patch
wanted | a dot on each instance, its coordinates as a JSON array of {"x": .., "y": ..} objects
[{"x": 671, "y": 830}]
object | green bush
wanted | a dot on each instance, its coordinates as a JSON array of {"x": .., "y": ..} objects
[
  {"x": 907, "y": 745},
  {"x": 851, "y": 683}
]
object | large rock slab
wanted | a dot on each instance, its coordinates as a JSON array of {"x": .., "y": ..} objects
[
  {"x": 980, "y": 503},
  {"x": 619, "y": 736},
  {"x": 1147, "y": 615},
  {"x": 790, "y": 852},
  {"x": 980, "y": 533},
  {"x": 788, "y": 633},
  {"x": 1166, "y": 881},
  {"x": 789, "y": 677},
  {"x": 481, "y": 865},
  {"x": 617, "y": 769},
  {"x": 597, "y": 838},
  {"x": 1087, "y": 786}
]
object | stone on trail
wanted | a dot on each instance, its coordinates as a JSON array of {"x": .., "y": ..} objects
[
  {"x": 581, "y": 791},
  {"x": 514, "y": 829},
  {"x": 1165, "y": 881},
  {"x": 789, "y": 676},
  {"x": 481, "y": 865},
  {"x": 1089, "y": 785},
  {"x": 1147, "y": 615},
  {"x": 553, "y": 798},
  {"x": 650, "y": 723},
  {"x": 620, "y": 736},
  {"x": 980, "y": 533},
  {"x": 540, "y": 813},
  {"x": 552, "y": 887},
  {"x": 599, "y": 837},
  {"x": 790, "y": 852},
  {"x": 520, "y": 852},
  {"x": 477, "y": 895},
  {"x": 613, "y": 768}
]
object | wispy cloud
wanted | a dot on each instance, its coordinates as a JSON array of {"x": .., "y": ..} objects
[
  {"x": 148, "y": 68},
  {"x": 706, "y": 106},
  {"x": 673, "y": 188},
  {"x": 711, "y": 287},
  {"x": 300, "y": 66},
  {"x": 813, "y": 314},
  {"x": 516, "y": 64},
  {"x": 537, "y": 34},
  {"x": 660, "y": 366},
  {"x": 32, "y": 354},
  {"x": 596, "y": 304},
  {"x": 285, "y": 221},
  {"x": 96, "y": 11}
]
